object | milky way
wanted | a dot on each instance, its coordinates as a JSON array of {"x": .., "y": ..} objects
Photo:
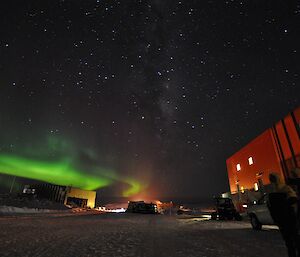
[{"x": 156, "y": 93}]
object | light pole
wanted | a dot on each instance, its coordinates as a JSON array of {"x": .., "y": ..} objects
[{"x": 12, "y": 185}]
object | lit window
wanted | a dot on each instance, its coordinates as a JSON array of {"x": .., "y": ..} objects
[
  {"x": 250, "y": 160},
  {"x": 238, "y": 167},
  {"x": 255, "y": 186}
]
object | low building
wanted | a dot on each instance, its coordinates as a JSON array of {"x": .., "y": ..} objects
[
  {"x": 66, "y": 195},
  {"x": 276, "y": 150},
  {"x": 49, "y": 191},
  {"x": 79, "y": 197}
]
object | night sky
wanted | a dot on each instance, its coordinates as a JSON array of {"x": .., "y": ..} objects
[{"x": 159, "y": 92}]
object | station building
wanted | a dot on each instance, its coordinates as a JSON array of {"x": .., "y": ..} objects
[
  {"x": 66, "y": 195},
  {"x": 275, "y": 150},
  {"x": 82, "y": 198}
]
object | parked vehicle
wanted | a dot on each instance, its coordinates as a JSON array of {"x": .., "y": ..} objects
[
  {"x": 259, "y": 213},
  {"x": 28, "y": 190},
  {"x": 183, "y": 210},
  {"x": 225, "y": 210},
  {"x": 142, "y": 207}
]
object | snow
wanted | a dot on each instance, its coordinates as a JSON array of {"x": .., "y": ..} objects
[
  {"x": 125, "y": 235},
  {"x": 12, "y": 209}
]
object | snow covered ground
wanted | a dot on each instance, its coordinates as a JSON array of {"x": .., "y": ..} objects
[
  {"x": 12, "y": 209},
  {"x": 137, "y": 235}
]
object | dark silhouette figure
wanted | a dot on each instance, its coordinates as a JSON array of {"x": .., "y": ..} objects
[
  {"x": 282, "y": 203},
  {"x": 295, "y": 181}
]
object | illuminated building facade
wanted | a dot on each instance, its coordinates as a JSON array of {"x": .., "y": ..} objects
[
  {"x": 276, "y": 150},
  {"x": 80, "y": 197},
  {"x": 66, "y": 195}
]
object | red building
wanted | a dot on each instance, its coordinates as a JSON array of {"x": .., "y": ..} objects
[{"x": 275, "y": 150}]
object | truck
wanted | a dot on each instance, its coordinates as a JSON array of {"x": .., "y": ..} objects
[
  {"x": 225, "y": 210},
  {"x": 142, "y": 207}
]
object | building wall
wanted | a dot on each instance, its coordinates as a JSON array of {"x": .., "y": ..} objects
[
  {"x": 265, "y": 160},
  {"x": 52, "y": 192},
  {"x": 82, "y": 194},
  {"x": 277, "y": 149},
  {"x": 286, "y": 133}
]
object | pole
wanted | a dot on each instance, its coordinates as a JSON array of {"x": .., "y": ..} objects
[{"x": 12, "y": 184}]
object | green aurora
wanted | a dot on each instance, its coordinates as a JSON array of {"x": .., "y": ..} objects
[
  {"x": 64, "y": 173},
  {"x": 135, "y": 187}
]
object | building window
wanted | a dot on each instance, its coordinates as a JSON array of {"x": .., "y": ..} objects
[
  {"x": 238, "y": 167},
  {"x": 255, "y": 186},
  {"x": 242, "y": 189},
  {"x": 250, "y": 160}
]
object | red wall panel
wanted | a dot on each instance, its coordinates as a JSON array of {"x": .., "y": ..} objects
[
  {"x": 265, "y": 158},
  {"x": 275, "y": 150}
]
